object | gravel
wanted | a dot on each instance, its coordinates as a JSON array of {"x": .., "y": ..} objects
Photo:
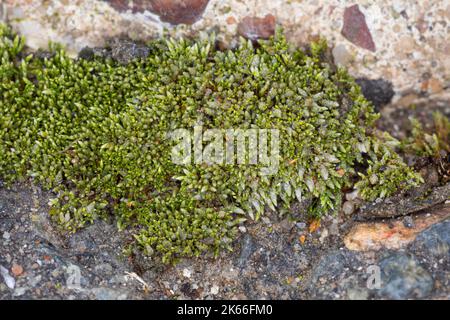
[{"x": 282, "y": 260}]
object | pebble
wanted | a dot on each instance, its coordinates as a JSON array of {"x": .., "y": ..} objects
[
  {"x": 351, "y": 195},
  {"x": 214, "y": 289},
  {"x": 254, "y": 28},
  {"x": 341, "y": 55},
  {"x": 17, "y": 269},
  {"x": 20, "y": 291},
  {"x": 348, "y": 207},
  {"x": 323, "y": 235},
  {"x": 380, "y": 93},
  {"x": 286, "y": 224},
  {"x": 373, "y": 179},
  {"x": 408, "y": 222},
  {"x": 334, "y": 227},
  {"x": 73, "y": 277},
  {"x": 187, "y": 273},
  {"x": 6, "y": 235},
  {"x": 9, "y": 281},
  {"x": 35, "y": 280},
  {"x": 300, "y": 225},
  {"x": 266, "y": 220},
  {"x": 109, "y": 294},
  {"x": 355, "y": 28},
  {"x": 248, "y": 247},
  {"x": 242, "y": 229}
]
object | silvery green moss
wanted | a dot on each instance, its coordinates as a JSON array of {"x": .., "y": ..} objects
[
  {"x": 95, "y": 132},
  {"x": 429, "y": 143}
]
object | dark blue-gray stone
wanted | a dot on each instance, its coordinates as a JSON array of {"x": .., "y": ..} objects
[{"x": 402, "y": 277}]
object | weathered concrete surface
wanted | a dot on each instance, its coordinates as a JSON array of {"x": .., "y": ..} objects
[
  {"x": 276, "y": 259},
  {"x": 405, "y": 42}
]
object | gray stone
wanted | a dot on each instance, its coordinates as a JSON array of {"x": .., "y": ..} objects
[
  {"x": 9, "y": 281},
  {"x": 408, "y": 222},
  {"x": 35, "y": 280},
  {"x": 108, "y": 294},
  {"x": 104, "y": 268},
  {"x": 350, "y": 196},
  {"x": 353, "y": 288},
  {"x": 348, "y": 207},
  {"x": 124, "y": 51},
  {"x": 330, "y": 265},
  {"x": 403, "y": 277},
  {"x": 434, "y": 241},
  {"x": 20, "y": 291},
  {"x": 73, "y": 277},
  {"x": 341, "y": 55},
  {"x": 247, "y": 249},
  {"x": 378, "y": 91},
  {"x": 301, "y": 225}
]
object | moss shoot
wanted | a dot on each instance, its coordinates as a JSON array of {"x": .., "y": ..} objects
[
  {"x": 96, "y": 133},
  {"x": 429, "y": 143}
]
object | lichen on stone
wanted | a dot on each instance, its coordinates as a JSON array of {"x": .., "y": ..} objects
[{"x": 96, "y": 133}]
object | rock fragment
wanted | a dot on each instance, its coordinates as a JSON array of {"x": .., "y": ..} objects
[
  {"x": 377, "y": 91},
  {"x": 404, "y": 278},
  {"x": 355, "y": 28},
  {"x": 171, "y": 11},
  {"x": 9, "y": 281},
  {"x": 254, "y": 28}
]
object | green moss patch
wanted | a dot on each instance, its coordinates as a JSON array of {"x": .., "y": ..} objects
[
  {"x": 433, "y": 142},
  {"x": 96, "y": 133}
]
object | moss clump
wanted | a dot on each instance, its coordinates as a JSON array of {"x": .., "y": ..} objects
[
  {"x": 386, "y": 172},
  {"x": 95, "y": 132},
  {"x": 429, "y": 143}
]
